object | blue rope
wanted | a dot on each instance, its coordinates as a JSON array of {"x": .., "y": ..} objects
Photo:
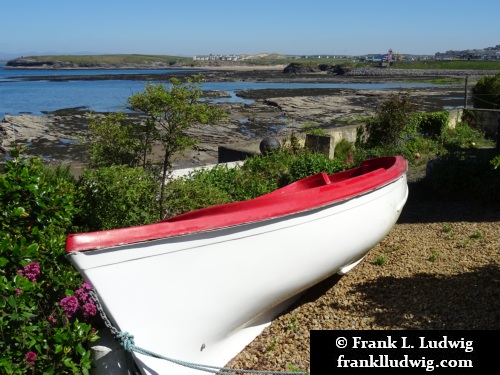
[{"x": 127, "y": 342}]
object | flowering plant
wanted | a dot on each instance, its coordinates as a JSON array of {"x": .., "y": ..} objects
[{"x": 41, "y": 331}]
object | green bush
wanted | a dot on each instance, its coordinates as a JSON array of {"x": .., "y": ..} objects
[
  {"x": 312, "y": 127},
  {"x": 257, "y": 176},
  {"x": 264, "y": 174},
  {"x": 391, "y": 118},
  {"x": 486, "y": 93},
  {"x": 38, "y": 334},
  {"x": 114, "y": 140},
  {"x": 30, "y": 199},
  {"x": 344, "y": 150},
  {"x": 424, "y": 134},
  {"x": 363, "y": 153},
  {"x": 462, "y": 136},
  {"x": 465, "y": 174},
  {"x": 495, "y": 162},
  {"x": 415, "y": 143},
  {"x": 116, "y": 197},
  {"x": 431, "y": 124},
  {"x": 312, "y": 163},
  {"x": 200, "y": 189}
]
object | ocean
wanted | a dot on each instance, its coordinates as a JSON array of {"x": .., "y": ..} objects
[{"x": 20, "y": 96}]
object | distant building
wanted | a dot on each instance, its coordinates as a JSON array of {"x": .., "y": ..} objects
[
  {"x": 218, "y": 57},
  {"x": 488, "y": 53}
]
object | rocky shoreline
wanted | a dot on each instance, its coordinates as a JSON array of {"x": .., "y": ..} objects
[{"x": 276, "y": 113}]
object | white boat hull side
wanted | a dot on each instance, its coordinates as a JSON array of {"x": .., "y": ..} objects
[{"x": 214, "y": 289}]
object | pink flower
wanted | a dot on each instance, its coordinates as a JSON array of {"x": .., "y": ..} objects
[
  {"x": 51, "y": 319},
  {"x": 18, "y": 291},
  {"x": 349, "y": 160},
  {"x": 82, "y": 292},
  {"x": 89, "y": 309},
  {"x": 70, "y": 305},
  {"x": 30, "y": 271},
  {"x": 30, "y": 358}
]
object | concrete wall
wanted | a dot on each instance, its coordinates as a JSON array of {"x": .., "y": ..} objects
[
  {"x": 487, "y": 121},
  {"x": 240, "y": 151},
  {"x": 455, "y": 117},
  {"x": 322, "y": 144}
]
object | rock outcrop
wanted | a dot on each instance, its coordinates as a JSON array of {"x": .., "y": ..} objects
[{"x": 296, "y": 68}]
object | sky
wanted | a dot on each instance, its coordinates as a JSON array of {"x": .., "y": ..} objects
[{"x": 291, "y": 27}]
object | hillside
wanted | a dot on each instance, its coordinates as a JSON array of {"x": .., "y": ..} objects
[
  {"x": 131, "y": 61},
  {"x": 97, "y": 61}
]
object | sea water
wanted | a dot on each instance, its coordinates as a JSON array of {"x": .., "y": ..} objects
[{"x": 21, "y": 96}]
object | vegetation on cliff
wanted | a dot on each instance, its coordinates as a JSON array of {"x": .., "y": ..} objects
[
  {"x": 162, "y": 61},
  {"x": 98, "y": 61}
]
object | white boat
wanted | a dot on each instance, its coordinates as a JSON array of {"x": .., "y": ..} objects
[{"x": 200, "y": 286}]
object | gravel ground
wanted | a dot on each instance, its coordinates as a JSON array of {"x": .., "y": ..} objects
[{"x": 441, "y": 271}]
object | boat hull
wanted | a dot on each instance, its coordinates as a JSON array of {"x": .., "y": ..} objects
[{"x": 203, "y": 297}]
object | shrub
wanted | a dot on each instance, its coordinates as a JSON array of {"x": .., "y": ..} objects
[
  {"x": 37, "y": 334},
  {"x": 363, "y": 153},
  {"x": 311, "y": 163},
  {"x": 171, "y": 111},
  {"x": 271, "y": 170},
  {"x": 30, "y": 199},
  {"x": 424, "y": 134},
  {"x": 464, "y": 174},
  {"x": 415, "y": 143},
  {"x": 431, "y": 124},
  {"x": 117, "y": 196},
  {"x": 114, "y": 140},
  {"x": 486, "y": 93},
  {"x": 200, "y": 189},
  {"x": 495, "y": 162},
  {"x": 462, "y": 136},
  {"x": 391, "y": 118},
  {"x": 312, "y": 127},
  {"x": 344, "y": 150},
  {"x": 258, "y": 175}
]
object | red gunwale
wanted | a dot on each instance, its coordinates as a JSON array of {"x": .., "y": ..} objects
[{"x": 309, "y": 193}]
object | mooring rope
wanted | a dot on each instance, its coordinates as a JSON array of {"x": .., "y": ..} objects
[{"x": 127, "y": 342}]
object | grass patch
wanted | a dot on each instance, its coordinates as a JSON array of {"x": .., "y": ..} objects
[
  {"x": 448, "y": 65},
  {"x": 445, "y": 81},
  {"x": 433, "y": 257},
  {"x": 380, "y": 260}
]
